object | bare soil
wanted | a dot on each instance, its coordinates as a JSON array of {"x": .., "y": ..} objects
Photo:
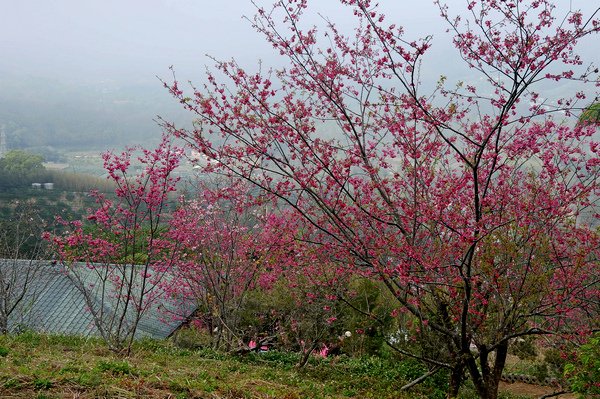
[{"x": 533, "y": 391}]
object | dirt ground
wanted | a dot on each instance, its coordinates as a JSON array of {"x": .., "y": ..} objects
[{"x": 533, "y": 391}]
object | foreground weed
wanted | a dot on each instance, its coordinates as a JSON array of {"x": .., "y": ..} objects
[
  {"x": 70, "y": 368},
  {"x": 89, "y": 379},
  {"x": 12, "y": 383},
  {"x": 42, "y": 383},
  {"x": 116, "y": 367},
  {"x": 29, "y": 338}
]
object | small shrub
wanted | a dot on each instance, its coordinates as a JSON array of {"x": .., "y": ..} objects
[
  {"x": 11, "y": 383},
  {"x": 178, "y": 389},
  {"x": 410, "y": 369},
  {"x": 524, "y": 348},
  {"x": 42, "y": 383},
  {"x": 3, "y": 351},
  {"x": 91, "y": 379},
  {"x": 149, "y": 344},
  {"x": 206, "y": 353},
  {"x": 29, "y": 338},
  {"x": 192, "y": 338},
  {"x": 555, "y": 361},
  {"x": 116, "y": 367},
  {"x": 283, "y": 358},
  {"x": 70, "y": 369},
  {"x": 584, "y": 376},
  {"x": 68, "y": 341},
  {"x": 540, "y": 371}
]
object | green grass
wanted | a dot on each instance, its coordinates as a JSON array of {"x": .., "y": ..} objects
[
  {"x": 115, "y": 367},
  {"x": 56, "y": 367}
]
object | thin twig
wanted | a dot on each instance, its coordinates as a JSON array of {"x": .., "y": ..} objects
[
  {"x": 421, "y": 378},
  {"x": 553, "y": 394}
]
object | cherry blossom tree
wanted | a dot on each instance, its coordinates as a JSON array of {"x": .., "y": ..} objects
[
  {"x": 22, "y": 262},
  {"x": 218, "y": 232},
  {"x": 118, "y": 257},
  {"x": 466, "y": 201},
  {"x": 235, "y": 247}
]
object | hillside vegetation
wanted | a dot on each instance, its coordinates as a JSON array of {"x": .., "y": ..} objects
[{"x": 38, "y": 366}]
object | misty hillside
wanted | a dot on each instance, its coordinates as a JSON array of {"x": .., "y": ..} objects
[{"x": 40, "y": 113}]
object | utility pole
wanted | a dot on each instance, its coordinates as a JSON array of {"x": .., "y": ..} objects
[{"x": 2, "y": 141}]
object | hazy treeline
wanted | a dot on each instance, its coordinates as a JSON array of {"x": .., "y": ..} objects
[
  {"x": 20, "y": 169},
  {"x": 46, "y": 115}
]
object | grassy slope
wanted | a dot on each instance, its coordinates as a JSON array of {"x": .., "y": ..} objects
[{"x": 37, "y": 366}]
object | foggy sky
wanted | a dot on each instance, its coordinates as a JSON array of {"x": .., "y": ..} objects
[{"x": 134, "y": 40}]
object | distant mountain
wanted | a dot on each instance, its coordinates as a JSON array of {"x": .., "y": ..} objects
[{"x": 44, "y": 113}]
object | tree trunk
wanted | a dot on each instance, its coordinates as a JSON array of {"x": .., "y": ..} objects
[
  {"x": 307, "y": 354},
  {"x": 487, "y": 382},
  {"x": 490, "y": 390},
  {"x": 456, "y": 380}
]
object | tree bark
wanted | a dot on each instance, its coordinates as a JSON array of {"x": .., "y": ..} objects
[
  {"x": 307, "y": 354},
  {"x": 487, "y": 382},
  {"x": 456, "y": 380}
]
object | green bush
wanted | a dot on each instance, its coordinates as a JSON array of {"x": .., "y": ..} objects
[
  {"x": 524, "y": 349},
  {"x": 584, "y": 374},
  {"x": 555, "y": 361},
  {"x": 192, "y": 338}
]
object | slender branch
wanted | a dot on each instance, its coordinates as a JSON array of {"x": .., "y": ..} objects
[{"x": 420, "y": 379}]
